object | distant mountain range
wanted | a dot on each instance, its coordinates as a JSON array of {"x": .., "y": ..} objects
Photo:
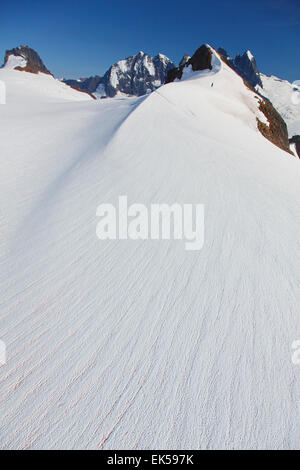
[
  {"x": 134, "y": 76},
  {"x": 142, "y": 73}
]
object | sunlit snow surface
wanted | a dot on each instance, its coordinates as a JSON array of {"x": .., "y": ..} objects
[
  {"x": 141, "y": 344},
  {"x": 29, "y": 89}
]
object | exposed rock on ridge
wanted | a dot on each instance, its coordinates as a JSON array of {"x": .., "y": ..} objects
[
  {"x": 34, "y": 63},
  {"x": 201, "y": 60}
]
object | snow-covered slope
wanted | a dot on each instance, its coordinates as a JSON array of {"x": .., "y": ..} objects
[
  {"x": 28, "y": 81},
  {"x": 280, "y": 93},
  {"x": 24, "y": 88},
  {"x": 141, "y": 344}
]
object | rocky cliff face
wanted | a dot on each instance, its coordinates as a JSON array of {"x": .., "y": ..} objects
[
  {"x": 32, "y": 61},
  {"x": 276, "y": 129},
  {"x": 136, "y": 75},
  {"x": 245, "y": 65}
]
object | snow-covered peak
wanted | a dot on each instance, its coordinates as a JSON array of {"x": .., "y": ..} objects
[
  {"x": 28, "y": 60},
  {"x": 28, "y": 89},
  {"x": 245, "y": 65},
  {"x": 135, "y": 75},
  {"x": 211, "y": 75},
  {"x": 163, "y": 58}
]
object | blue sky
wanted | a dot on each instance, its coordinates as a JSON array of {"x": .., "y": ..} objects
[{"x": 77, "y": 38}]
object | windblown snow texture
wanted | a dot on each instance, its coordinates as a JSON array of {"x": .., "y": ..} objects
[{"x": 140, "y": 344}]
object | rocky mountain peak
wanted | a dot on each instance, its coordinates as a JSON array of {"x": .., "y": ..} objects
[
  {"x": 26, "y": 59},
  {"x": 135, "y": 75},
  {"x": 245, "y": 65}
]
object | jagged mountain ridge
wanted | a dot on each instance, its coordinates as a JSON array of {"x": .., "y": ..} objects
[
  {"x": 245, "y": 65},
  {"x": 135, "y": 75},
  {"x": 270, "y": 124},
  {"x": 141, "y": 74}
]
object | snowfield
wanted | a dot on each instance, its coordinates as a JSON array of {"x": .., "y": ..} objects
[
  {"x": 141, "y": 344},
  {"x": 27, "y": 89}
]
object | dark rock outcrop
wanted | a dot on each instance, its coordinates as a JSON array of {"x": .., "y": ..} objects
[
  {"x": 201, "y": 60},
  {"x": 184, "y": 59},
  {"x": 276, "y": 131},
  {"x": 296, "y": 140},
  {"x": 34, "y": 62},
  {"x": 223, "y": 53},
  {"x": 245, "y": 65}
]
